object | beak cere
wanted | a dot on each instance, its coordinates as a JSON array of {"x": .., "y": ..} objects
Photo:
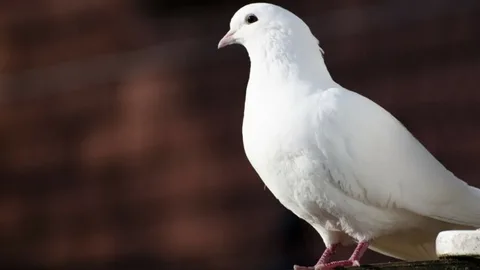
[{"x": 227, "y": 39}]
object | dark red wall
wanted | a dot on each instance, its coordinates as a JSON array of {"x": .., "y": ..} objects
[{"x": 120, "y": 124}]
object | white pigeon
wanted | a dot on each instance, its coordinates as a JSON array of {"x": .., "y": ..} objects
[{"x": 335, "y": 158}]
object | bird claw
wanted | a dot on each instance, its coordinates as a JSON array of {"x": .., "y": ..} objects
[
  {"x": 328, "y": 266},
  {"x": 316, "y": 267},
  {"x": 323, "y": 267},
  {"x": 298, "y": 267},
  {"x": 323, "y": 263}
]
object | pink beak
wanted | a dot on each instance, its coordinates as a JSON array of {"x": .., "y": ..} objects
[{"x": 227, "y": 39}]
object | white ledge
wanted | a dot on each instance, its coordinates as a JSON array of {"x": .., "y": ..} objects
[{"x": 458, "y": 243}]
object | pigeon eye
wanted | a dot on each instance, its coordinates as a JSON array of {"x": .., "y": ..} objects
[{"x": 251, "y": 19}]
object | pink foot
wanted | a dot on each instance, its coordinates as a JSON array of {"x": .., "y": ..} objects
[
  {"x": 298, "y": 267},
  {"x": 333, "y": 265},
  {"x": 325, "y": 258},
  {"x": 327, "y": 266},
  {"x": 323, "y": 263}
]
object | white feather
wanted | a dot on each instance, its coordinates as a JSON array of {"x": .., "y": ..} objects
[{"x": 335, "y": 158}]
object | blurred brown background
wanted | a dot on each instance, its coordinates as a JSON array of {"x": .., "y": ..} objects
[{"x": 120, "y": 125}]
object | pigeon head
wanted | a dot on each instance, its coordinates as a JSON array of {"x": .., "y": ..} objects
[
  {"x": 260, "y": 25},
  {"x": 279, "y": 44}
]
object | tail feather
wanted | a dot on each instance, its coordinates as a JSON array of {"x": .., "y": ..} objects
[
  {"x": 403, "y": 250},
  {"x": 414, "y": 245},
  {"x": 465, "y": 211}
]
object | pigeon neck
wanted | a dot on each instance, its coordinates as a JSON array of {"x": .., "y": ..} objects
[{"x": 288, "y": 61}]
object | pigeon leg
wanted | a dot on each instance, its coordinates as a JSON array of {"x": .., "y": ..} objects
[
  {"x": 352, "y": 261},
  {"x": 325, "y": 258}
]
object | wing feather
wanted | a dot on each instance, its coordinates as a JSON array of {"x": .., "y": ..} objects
[{"x": 379, "y": 162}]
